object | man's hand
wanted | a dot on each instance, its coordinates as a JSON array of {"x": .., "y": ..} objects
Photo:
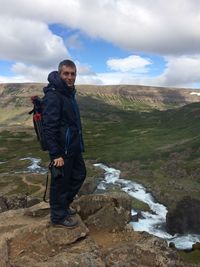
[{"x": 59, "y": 162}]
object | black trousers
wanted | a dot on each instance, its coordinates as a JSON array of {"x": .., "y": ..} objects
[{"x": 64, "y": 187}]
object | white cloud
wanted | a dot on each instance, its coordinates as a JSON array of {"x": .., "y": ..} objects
[
  {"x": 160, "y": 26},
  {"x": 30, "y": 41},
  {"x": 74, "y": 42},
  {"x": 89, "y": 79},
  {"x": 168, "y": 28},
  {"x": 84, "y": 69},
  {"x": 13, "y": 79},
  {"x": 131, "y": 63},
  {"x": 181, "y": 71},
  {"x": 30, "y": 73}
]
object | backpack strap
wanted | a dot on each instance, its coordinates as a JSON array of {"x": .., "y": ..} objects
[{"x": 60, "y": 96}]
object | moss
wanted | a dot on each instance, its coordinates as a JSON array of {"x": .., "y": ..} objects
[
  {"x": 139, "y": 205},
  {"x": 190, "y": 257},
  {"x": 14, "y": 184}
]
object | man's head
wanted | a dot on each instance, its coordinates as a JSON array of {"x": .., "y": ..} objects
[{"x": 67, "y": 72}]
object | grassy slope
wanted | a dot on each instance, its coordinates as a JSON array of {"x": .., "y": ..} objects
[{"x": 158, "y": 148}]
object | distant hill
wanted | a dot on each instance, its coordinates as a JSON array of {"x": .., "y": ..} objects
[
  {"x": 15, "y": 98},
  {"x": 11, "y": 92}
]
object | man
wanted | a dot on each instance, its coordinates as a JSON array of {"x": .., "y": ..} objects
[{"x": 62, "y": 129}]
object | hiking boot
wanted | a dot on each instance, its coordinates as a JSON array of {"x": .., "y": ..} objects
[
  {"x": 68, "y": 222},
  {"x": 71, "y": 211}
]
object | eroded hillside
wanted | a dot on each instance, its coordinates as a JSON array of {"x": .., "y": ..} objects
[{"x": 15, "y": 98}]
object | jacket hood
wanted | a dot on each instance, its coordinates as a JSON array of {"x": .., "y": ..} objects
[{"x": 56, "y": 82}]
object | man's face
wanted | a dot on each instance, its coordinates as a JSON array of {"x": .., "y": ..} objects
[{"x": 68, "y": 75}]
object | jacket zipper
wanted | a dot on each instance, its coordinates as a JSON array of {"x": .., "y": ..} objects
[{"x": 67, "y": 140}]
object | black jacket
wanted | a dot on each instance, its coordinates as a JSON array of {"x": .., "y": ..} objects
[{"x": 61, "y": 118}]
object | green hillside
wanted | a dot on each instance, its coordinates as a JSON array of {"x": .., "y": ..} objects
[{"x": 159, "y": 148}]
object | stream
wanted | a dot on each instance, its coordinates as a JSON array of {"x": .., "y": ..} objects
[
  {"x": 152, "y": 222},
  {"x": 35, "y": 167}
]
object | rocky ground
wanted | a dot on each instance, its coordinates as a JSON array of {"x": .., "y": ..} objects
[{"x": 102, "y": 239}]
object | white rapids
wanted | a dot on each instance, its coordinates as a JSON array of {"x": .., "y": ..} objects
[
  {"x": 153, "y": 223},
  {"x": 34, "y": 166}
]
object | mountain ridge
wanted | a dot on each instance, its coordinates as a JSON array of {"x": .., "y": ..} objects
[{"x": 180, "y": 96}]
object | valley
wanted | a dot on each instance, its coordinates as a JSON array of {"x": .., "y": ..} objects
[{"x": 159, "y": 147}]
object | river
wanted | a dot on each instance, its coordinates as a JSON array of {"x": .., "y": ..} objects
[{"x": 152, "y": 222}]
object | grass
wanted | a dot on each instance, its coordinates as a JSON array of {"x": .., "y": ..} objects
[
  {"x": 125, "y": 134},
  {"x": 136, "y": 135},
  {"x": 156, "y": 139},
  {"x": 192, "y": 257},
  {"x": 12, "y": 184}
]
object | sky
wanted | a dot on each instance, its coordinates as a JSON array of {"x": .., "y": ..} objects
[{"x": 141, "y": 42}]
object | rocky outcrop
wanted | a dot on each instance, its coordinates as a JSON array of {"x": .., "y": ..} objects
[
  {"x": 89, "y": 186},
  {"x": 105, "y": 211},
  {"x": 28, "y": 240},
  {"x": 142, "y": 253},
  {"x": 20, "y": 93},
  {"x": 17, "y": 202},
  {"x": 185, "y": 217}
]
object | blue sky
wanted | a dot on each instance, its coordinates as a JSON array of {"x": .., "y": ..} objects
[{"x": 147, "y": 42}]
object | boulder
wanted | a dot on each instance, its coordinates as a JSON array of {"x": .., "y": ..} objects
[
  {"x": 148, "y": 251},
  {"x": 89, "y": 186},
  {"x": 62, "y": 237},
  {"x": 185, "y": 217},
  {"x": 28, "y": 239},
  {"x": 4, "y": 261},
  {"x": 17, "y": 202},
  {"x": 196, "y": 246},
  {"x": 38, "y": 243},
  {"x": 105, "y": 211},
  {"x": 3, "y": 206},
  {"x": 41, "y": 209}
]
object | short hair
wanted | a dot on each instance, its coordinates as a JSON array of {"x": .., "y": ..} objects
[{"x": 66, "y": 62}]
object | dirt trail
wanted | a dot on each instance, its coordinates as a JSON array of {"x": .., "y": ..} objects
[{"x": 39, "y": 191}]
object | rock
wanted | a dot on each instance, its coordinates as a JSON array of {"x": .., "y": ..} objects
[
  {"x": 63, "y": 236},
  {"x": 31, "y": 201},
  {"x": 137, "y": 216},
  {"x": 17, "y": 202},
  {"x": 83, "y": 254},
  {"x": 28, "y": 240},
  {"x": 89, "y": 186},
  {"x": 42, "y": 242},
  {"x": 3, "y": 206},
  {"x": 185, "y": 218},
  {"x": 148, "y": 251},
  {"x": 39, "y": 210},
  {"x": 196, "y": 246},
  {"x": 172, "y": 245},
  {"x": 4, "y": 261},
  {"x": 105, "y": 211},
  {"x": 42, "y": 245}
]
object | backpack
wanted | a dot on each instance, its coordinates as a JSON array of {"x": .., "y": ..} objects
[
  {"x": 38, "y": 126},
  {"x": 38, "y": 121},
  {"x": 37, "y": 110}
]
